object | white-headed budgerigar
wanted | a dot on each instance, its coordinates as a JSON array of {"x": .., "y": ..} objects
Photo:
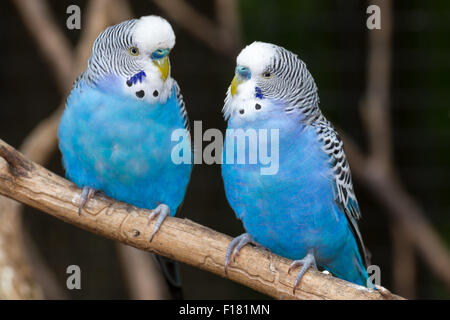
[
  {"x": 115, "y": 133},
  {"x": 306, "y": 211}
]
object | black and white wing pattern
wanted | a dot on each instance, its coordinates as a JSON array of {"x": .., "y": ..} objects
[
  {"x": 182, "y": 105},
  {"x": 345, "y": 197}
]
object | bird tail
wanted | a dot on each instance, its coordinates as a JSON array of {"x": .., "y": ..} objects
[
  {"x": 349, "y": 266},
  {"x": 171, "y": 271}
]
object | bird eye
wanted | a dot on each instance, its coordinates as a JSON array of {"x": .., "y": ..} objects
[
  {"x": 267, "y": 74},
  {"x": 133, "y": 51},
  {"x": 158, "y": 54}
]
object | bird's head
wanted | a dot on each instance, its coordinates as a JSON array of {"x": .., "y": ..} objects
[
  {"x": 269, "y": 78},
  {"x": 135, "y": 52},
  {"x": 153, "y": 39}
]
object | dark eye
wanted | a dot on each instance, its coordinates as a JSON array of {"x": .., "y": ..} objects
[
  {"x": 267, "y": 74},
  {"x": 133, "y": 51}
]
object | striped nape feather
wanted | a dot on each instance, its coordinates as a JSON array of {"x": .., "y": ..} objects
[
  {"x": 110, "y": 53},
  {"x": 295, "y": 86}
]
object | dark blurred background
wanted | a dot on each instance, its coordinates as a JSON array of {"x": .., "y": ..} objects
[{"x": 331, "y": 37}]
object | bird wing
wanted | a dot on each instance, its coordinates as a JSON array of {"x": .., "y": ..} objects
[
  {"x": 345, "y": 197},
  {"x": 182, "y": 105}
]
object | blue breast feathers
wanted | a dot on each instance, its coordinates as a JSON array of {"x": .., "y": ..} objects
[
  {"x": 122, "y": 146},
  {"x": 293, "y": 210}
]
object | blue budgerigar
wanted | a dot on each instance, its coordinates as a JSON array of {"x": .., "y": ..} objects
[
  {"x": 307, "y": 210},
  {"x": 116, "y": 131}
]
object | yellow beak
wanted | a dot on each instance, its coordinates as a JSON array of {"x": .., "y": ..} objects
[
  {"x": 234, "y": 85},
  {"x": 163, "y": 65}
]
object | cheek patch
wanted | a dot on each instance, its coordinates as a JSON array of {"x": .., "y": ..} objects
[
  {"x": 258, "y": 93},
  {"x": 137, "y": 77}
]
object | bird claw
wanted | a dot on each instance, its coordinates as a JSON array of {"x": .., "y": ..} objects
[
  {"x": 306, "y": 262},
  {"x": 162, "y": 211},
  {"x": 235, "y": 247},
  {"x": 86, "y": 195}
]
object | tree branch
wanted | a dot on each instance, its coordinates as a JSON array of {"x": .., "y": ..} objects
[{"x": 179, "y": 239}]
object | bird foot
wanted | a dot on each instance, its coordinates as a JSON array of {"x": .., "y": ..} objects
[
  {"x": 86, "y": 195},
  {"x": 306, "y": 262},
  {"x": 235, "y": 247},
  {"x": 162, "y": 211}
]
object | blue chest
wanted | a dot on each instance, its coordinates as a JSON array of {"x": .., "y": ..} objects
[
  {"x": 123, "y": 146},
  {"x": 293, "y": 210}
]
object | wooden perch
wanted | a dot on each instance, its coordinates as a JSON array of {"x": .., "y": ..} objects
[{"x": 179, "y": 239}]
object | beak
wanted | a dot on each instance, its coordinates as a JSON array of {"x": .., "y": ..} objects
[
  {"x": 241, "y": 74},
  {"x": 234, "y": 85},
  {"x": 163, "y": 65}
]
